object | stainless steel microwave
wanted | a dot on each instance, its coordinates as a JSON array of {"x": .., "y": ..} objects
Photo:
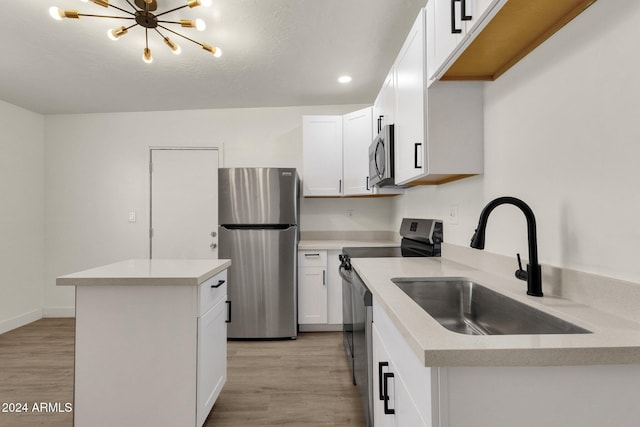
[{"x": 381, "y": 158}]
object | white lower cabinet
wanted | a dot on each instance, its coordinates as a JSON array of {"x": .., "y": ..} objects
[
  {"x": 312, "y": 287},
  {"x": 319, "y": 290},
  {"x": 149, "y": 355},
  {"x": 212, "y": 357},
  {"x": 392, "y": 402},
  {"x": 401, "y": 387},
  {"x": 495, "y": 396}
]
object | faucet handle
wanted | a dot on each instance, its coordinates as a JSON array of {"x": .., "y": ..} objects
[{"x": 520, "y": 272}]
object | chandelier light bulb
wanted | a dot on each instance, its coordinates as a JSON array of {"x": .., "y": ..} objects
[
  {"x": 200, "y": 25},
  {"x": 146, "y": 56},
  {"x": 116, "y": 33},
  {"x": 173, "y": 46},
  {"x": 215, "y": 51},
  {"x": 56, "y": 13}
]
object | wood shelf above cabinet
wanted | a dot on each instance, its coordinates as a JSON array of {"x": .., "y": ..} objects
[
  {"x": 437, "y": 179},
  {"x": 517, "y": 29}
]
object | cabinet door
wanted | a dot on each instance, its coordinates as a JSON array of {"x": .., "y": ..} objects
[
  {"x": 401, "y": 409},
  {"x": 312, "y": 295},
  {"x": 356, "y": 139},
  {"x": 410, "y": 105},
  {"x": 450, "y": 29},
  {"x": 212, "y": 358},
  {"x": 381, "y": 364},
  {"x": 322, "y": 155}
]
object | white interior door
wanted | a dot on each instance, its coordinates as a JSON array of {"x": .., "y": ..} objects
[{"x": 184, "y": 203}]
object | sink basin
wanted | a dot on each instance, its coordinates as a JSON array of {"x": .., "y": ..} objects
[{"x": 463, "y": 306}]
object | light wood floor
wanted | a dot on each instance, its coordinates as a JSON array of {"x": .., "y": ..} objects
[{"x": 303, "y": 382}]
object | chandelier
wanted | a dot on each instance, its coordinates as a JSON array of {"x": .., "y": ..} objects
[{"x": 144, "y": 14}]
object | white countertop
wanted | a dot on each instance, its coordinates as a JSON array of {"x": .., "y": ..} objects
[
  {"x": 148, "y": 272},
  {"x": 614, "y": 340}
]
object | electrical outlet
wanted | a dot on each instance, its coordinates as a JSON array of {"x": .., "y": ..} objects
[
  {"x": 452, "y": 217},
  {"x": 132, "y": 216}
]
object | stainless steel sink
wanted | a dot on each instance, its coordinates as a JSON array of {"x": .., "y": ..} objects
[{"x": 463, "y": 306}]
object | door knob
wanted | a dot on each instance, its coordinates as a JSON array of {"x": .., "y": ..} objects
[
  {"x": 213, "y": 245},
  {"x": 214, "y": 234}
]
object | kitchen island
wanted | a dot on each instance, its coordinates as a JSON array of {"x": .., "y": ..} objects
[
  {"x": 150, "y": 342},
  {"x": 437, "y": 377}
]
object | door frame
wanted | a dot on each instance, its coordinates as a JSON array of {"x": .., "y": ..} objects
[{"x": 152, "y": 148}]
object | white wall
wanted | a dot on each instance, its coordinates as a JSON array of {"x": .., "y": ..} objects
[
  {"x": 21, "y": 216},
  {"x": 562, "y": 133},
  {"x": 96, "y": 171}
]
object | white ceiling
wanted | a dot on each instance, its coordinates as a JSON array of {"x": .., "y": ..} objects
[{"x": 275, "y": 53}]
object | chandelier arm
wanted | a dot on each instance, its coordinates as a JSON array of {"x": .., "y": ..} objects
[
  {"x": 172, "y": 10},
  {"x": 169, "y": 22},
  {"x": 178, "y": 34},
  {"x": 105, "y": 16}
]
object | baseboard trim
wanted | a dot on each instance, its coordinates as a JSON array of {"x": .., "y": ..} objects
[
  {"x": 18, "y": 321},
  {"x": 59, "y": 312},
  {"x": 320, "y": 327}
]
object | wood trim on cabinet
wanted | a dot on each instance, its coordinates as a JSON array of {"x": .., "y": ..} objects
[
  {"x": 516, "y": 30},
  {"x": 436, "y": 179}
]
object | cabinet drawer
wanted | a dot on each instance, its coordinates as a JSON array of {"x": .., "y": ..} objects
[
  {"x": 312, "y": 258},
  {"x": 211, "y": 291}
]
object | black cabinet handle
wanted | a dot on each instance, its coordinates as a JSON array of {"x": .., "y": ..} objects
[
  {"x": 463, "y": 14},
  {"x": 380, "y": 389},
  {"x": 454, "y": 30},
  {"x": 340, "y": 186},
  {"x": 220, "y": 283},
  {"x": 228, "y": 312},
  {"x": 387, "y": 410},
  {"x": 415, "y": 155},
  {"x": 367, "y": 185},
  {"x": 314, "y": 255}
]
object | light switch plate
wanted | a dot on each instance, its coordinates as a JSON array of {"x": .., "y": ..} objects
[
  {"x": 452, "y": 217},
  {"x": 132, "y": 216}
]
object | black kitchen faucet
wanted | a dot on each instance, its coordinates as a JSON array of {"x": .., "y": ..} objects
[{"x": 533, "y": 274}]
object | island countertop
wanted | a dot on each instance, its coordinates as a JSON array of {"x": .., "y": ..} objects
[
  {"x": 614, "y": 340},
  {"x": 148, "y": 272}
]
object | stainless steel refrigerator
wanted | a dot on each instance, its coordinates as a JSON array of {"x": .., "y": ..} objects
[{"x": 259, "y": 209}]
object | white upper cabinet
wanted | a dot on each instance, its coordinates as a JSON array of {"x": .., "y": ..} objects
[
  {"x": 322, "y": 155},
  {"x": 356, "y": 137},
  {"x": 336, "y": 155},
  {"x": 384, "y": 105},
  {"x": 454, "y": 25},
  {"x": 438, "y": 130},
  {"x": 410, "y": 104}
]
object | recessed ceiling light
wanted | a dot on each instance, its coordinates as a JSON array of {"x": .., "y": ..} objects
[{"x": 344, "y": 79}]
